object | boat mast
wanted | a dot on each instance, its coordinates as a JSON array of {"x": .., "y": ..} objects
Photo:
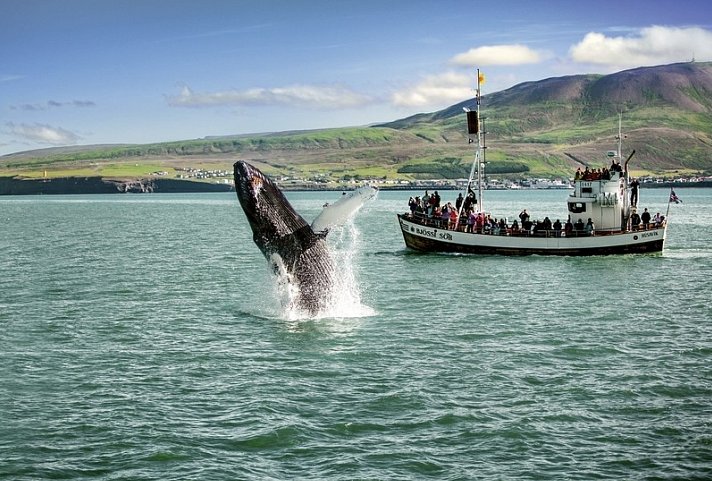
[
  {"x": 478, "y": 152},
  {"x": 475, "y": 136},
  {"x": 620, "y": 136},
  {"x": 624, "y": 214}
]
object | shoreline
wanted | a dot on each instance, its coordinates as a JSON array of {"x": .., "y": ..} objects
[{"x": 100, "y": 185}]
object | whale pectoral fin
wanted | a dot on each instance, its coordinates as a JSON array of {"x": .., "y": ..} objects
[{"x": 339, "y": 212}]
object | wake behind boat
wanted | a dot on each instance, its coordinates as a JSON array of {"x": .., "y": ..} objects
[{"x": 603, "y": 215}]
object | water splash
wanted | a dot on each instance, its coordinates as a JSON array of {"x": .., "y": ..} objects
[
  {"x": 345, "y": 294},
  {"x": 345, "y": 246}
]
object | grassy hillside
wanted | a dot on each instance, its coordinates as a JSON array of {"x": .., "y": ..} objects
[
  {"x": 533, "y": 129},
  {"x": 667, "y": 119}
]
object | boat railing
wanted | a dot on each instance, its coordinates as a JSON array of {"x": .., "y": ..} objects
[{"x": 649, "y": 226}]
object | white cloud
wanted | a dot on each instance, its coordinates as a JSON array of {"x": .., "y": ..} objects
[
  {"x": 53, "y": 104},
  {"x": 651, "y": 46},
  {"x": 436, "y": 90},
  {"x": 43, "y": 134},
  {"x": 303, "y": 96},
  {"x": 497, "y": 55},
  {"x": 10, "y": 78}
]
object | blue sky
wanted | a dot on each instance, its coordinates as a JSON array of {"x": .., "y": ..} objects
[{"x": 76, "y": 72}]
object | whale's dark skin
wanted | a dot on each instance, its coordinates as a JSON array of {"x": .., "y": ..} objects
[{"x": 278, "y": 230}]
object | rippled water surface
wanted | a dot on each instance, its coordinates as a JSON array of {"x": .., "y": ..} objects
[{"x": 141, "y": 338}]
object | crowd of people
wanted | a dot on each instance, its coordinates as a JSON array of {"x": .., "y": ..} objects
[
  {"x": 645, "y": 221},
  {"x": 600, "y": 174},
  {"x": 429, "y": 211}
]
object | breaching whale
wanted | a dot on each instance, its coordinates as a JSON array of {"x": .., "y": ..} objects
[{"x": 287, "y": 241}]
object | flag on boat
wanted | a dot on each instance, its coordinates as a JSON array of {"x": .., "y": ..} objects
[
  {"x": 673, "y": 197},
  {"x": 480, "y": 77}
]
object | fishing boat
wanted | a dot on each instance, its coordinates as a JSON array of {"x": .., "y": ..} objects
[{"x": 602, "y": 217}]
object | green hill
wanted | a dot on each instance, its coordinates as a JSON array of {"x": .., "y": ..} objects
[
  {"x": 543, "y": 128},
  {"x": 667, "y": 119}
]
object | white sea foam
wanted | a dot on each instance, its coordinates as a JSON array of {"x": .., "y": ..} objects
[
  {"x": 345, "y": 294},
  {"x": 345, "y": 246}
]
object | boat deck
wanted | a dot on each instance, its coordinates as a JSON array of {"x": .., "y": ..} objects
[{"x": 535, "y": 231}]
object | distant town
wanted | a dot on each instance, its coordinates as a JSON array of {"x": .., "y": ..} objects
[{"x": 323, "y": 181}]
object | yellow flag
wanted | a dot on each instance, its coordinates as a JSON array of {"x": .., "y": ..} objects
[{"x": 481, "y": 78}]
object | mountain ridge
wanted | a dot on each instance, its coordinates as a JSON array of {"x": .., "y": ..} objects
[
  {"x": 624, "y": 88},
  {"x": 543, "y": 125}
]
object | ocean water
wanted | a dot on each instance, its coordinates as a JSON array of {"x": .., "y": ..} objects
[{"x": 142, "y": 338}]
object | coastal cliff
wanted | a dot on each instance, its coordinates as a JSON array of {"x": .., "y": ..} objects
[{"x": 99, "y": 185}]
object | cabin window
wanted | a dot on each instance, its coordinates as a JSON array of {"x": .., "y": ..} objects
[
  {"x": 577, "y": 207},
  {"x": 587, "y": 190}
]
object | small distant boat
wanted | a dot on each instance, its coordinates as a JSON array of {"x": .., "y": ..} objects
[{"x": 601, "y": 218}]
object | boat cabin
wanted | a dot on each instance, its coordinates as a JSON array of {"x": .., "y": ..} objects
[{"x": 603, "y": 200}]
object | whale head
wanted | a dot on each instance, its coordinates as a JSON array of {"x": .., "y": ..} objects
[{"x": 268, "y": 211}]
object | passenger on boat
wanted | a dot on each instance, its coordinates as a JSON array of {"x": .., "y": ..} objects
[
  {"x": 590, "y": 227},
  {"x": 470, "y": 199},
  {"x": 545, "y": 228},
  {"x": 568, "y": 227},
  {"x": 445, "y": 216},
  {"x": 537, "y": 228},
  {"x": 453, "y": 216},
  {"x": 578, "y": 174},
  {"x": 635, "y": 221},
  {"x": 435, "y": 199},
  {"x": 658, "y": 219},
  {"x": 493, "y": 225},
  {"x": 502, "y": 226},
  {"x": 557, "y": 228},
  {"x": 441, "y": 216},
  {"x": 412, "y": 205},
  {"x": 578, "y": 226},
  {"x": 470, "y": 221},
  {"x": 515, "y": 227},
  {"x": 458, "y": 202},
  {"x": 616, "y": 166},
  {"x": 634, "y": 192},
  {"x": 523, "y": 216},
  {"x": 645, "y": 218}
]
